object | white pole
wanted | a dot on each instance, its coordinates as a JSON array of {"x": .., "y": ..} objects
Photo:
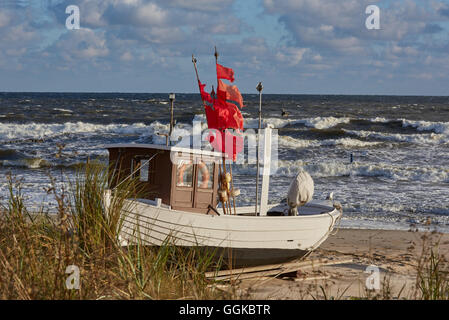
[
  {"x": 265, "y": 171},
  {"x": 259, "y": 88}
]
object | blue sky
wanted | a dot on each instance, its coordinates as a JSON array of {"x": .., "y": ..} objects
[{"x": 292, "y": 46}]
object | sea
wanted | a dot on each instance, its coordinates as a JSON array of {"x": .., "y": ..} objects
[{"x": 385, "y": 158}]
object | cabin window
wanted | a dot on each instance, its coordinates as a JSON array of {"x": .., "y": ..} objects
[
  {"x": 145, "y": 169},
  {"x": 184, "y": 177},
  {"x": 205, "y": 175}
]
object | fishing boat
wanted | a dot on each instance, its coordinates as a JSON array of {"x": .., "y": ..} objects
[{"x": 189, "y": 198}]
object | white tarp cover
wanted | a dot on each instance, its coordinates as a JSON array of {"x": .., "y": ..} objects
[{"x": 300, "y": 191}]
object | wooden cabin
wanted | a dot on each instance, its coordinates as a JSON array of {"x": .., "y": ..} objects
[{"x": 184, "y": 179}]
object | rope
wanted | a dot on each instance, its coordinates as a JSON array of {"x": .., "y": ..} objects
[
  {"x": 337, "y": 228},
  {"x": 329, "y": 231}
]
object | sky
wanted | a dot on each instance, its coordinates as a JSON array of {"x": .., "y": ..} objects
[{"x": 292, "y": 46}]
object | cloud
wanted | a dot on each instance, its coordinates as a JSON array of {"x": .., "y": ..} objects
[
  {"x": 432, "y": 28},
  {"x": 135, "y": 13},
  {"x": 291, "y": 39},
  {"x": 444, "y": 11},
  {"x": 18, "y": 38},
  {"x": 335, "y": 31},
  {"x": 201, "y": 5},
  {"x": 290, "y": 56},
  {"x": 4, "y": 19},
  {"x": 76, "y": 48},
  {"x": 127, "y": 56}
]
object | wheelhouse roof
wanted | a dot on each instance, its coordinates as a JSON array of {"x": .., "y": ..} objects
[{"x": 163, "y": 147}]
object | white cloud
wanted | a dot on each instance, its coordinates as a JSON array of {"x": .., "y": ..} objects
[
  {"x": 126, "y": 56},
  {"x": 84, "y": 44},
  {"x": 290, "y": 56},
  {"x": 322, "y": 38},
  {"x": 317, "y": 58},
  {"x": 201, "y": 5},
  {"x": 150, "y": 14},
  {"x": 335, "y": 32}
]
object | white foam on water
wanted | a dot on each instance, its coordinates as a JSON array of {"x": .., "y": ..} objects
[
  {"x": 424, "y": 138},
  {"x": 32, "y": 163},
  {"x": 437, "y": 127},
  {"x": 63, "y": 110},
  {"x": 316, "y": 122},
  {"x": 325, "y": 122},
  {"x": 290, "y": 142},
  {"x": 11, "y": 131},
  {"x": 290, "y": 168}
]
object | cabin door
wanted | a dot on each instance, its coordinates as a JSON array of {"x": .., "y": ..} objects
[
  {"x": 184, "y": 184},
  {"x": 204, "y": 187},
  {"x": 194, "y": 185}
]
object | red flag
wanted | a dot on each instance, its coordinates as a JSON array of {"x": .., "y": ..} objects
[
  {"x": 226, "y": 142},
  {"x": 204, "y": 95},
  {"x": 225, "y": 73},
  {"x": 219, "y": 113},
  {"x": 211, "y": 115},
  {"x": 228, "y": 114},
  {"x": 227, "y": 92},
  {"x": 222, "y": 113}
]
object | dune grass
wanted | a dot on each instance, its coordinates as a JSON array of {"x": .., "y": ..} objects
[
  {"x": 38, "y": 252},
  {"x": 432, "y": 279},
  {"x": 37, "y": 249}
]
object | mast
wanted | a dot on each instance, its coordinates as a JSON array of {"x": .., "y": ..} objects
[
  {"x": 259, "y": 88},
  {"x": 223, "y": 139},
  {"x": 196, "y": 72},
  {"x": 226, "y": 189},
  {"x": 222, "y": 175}
]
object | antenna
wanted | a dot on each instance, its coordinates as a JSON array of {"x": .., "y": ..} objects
[{"x": 216, "y": 54}]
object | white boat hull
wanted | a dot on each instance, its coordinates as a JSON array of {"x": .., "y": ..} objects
[{"x": 254, "y": 240}]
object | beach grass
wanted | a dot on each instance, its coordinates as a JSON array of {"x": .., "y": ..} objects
[
  {"x": 40, "y": 254},
  {"x": 432, "y": 279}
]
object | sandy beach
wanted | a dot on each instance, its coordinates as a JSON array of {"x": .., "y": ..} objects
[{"x": 395, "y": 253}]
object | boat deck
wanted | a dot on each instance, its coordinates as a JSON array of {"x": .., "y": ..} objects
[{"x": 312, "y": 208}]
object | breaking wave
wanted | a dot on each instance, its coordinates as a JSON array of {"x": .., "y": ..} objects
[
  {"x": 290, "y": 142},
  {"x": 337, "y": 169},
  {"x": 29, "y": 163},
  {"x": 436, "y": 127},
  {"x": 317, "y": 122},
  {"x": 289, "y": 168},
  {"x": 423, "y": 138},
  {"x": 12, "y": 131}
]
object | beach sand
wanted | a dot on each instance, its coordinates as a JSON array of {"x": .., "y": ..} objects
[{"x": 395, "y": 253}]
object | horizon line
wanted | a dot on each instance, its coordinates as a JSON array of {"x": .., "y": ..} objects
[{"x": 244, "y": 93}]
